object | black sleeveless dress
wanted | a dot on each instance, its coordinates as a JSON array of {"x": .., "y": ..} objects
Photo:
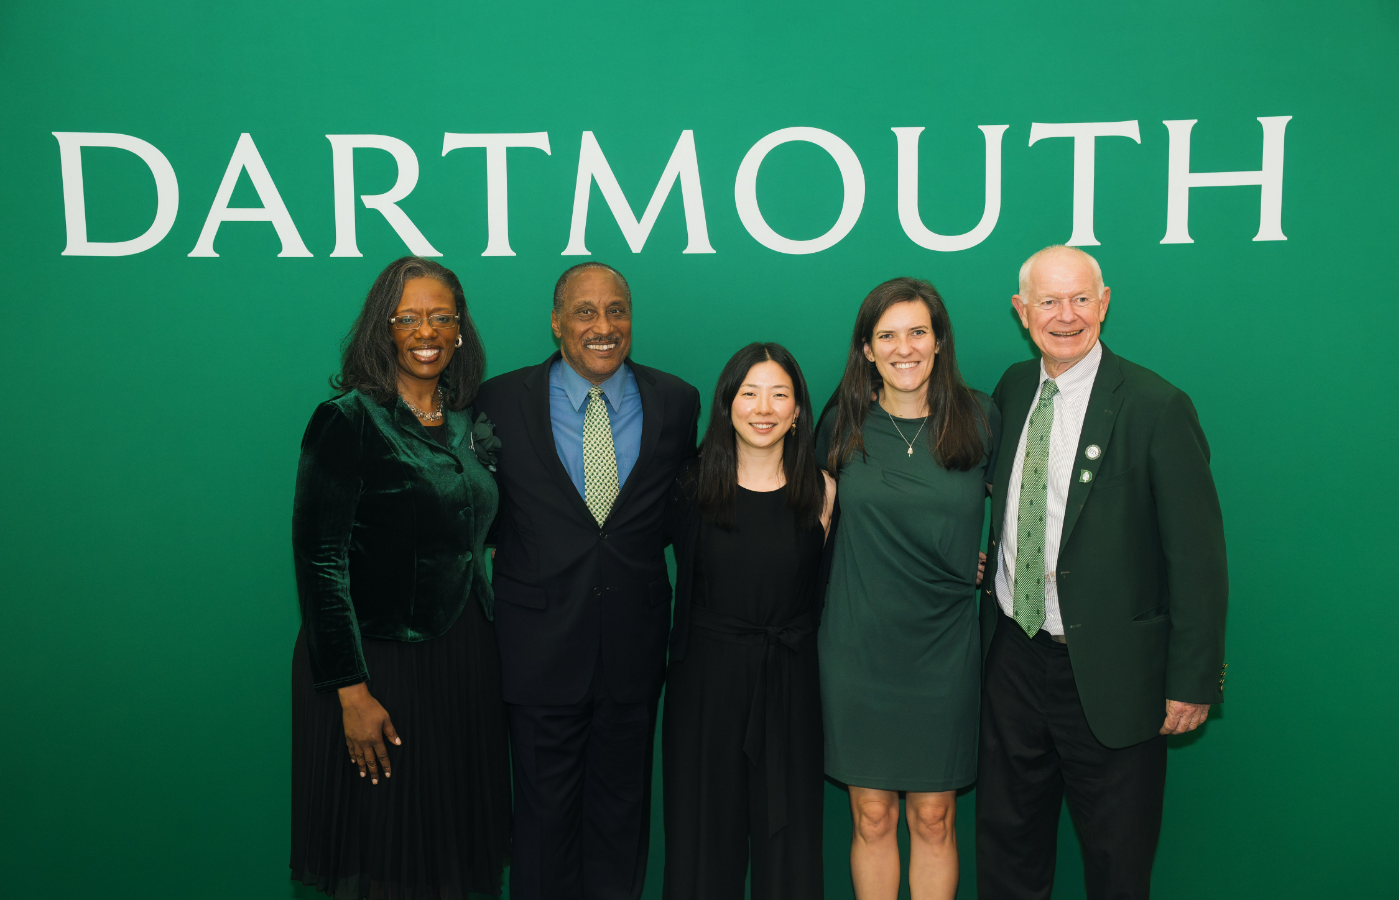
[{"x": 742, "y": 731}]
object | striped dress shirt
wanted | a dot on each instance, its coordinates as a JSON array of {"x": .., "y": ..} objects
[{"x": 1076, "y": 384}]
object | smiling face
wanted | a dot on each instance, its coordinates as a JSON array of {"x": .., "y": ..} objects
[
  {"x": 594, "y": 324},
  {"x": 765, "y": 408},
  {"x": 1063, "y": 308},
  {"x": 423, "y": 352},
  {"x": 903, "y": 348}
]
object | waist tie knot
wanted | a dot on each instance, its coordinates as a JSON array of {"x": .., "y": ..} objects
[{"x": 767, "y": 735}]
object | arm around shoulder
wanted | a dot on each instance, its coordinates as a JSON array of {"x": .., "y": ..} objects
[{"x": 828, "y": 502}]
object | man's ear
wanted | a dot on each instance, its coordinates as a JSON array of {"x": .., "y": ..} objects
[
  {"x": 1020, "y": 307},
  {"x": 554, "y": 323}
]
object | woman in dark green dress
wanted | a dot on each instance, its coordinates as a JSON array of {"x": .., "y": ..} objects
[{"x": 898, "y": 641}]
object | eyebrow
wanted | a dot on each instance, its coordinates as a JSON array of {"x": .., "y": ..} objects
[{"x": 752, "y": 385}]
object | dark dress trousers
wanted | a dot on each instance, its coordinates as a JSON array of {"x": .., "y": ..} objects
[
  {"x": 582, "y": 617},
  {"x": 1142, "y": 586}
]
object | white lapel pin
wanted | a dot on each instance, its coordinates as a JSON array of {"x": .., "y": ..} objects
[
  {"x": 1092, "y": 451},
  {"x": 1086, "y": 476}
]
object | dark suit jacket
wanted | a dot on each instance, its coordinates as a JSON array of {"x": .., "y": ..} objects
[
  {"x": 571, "y": 595},
  {"x": 1141, "y": 572}
]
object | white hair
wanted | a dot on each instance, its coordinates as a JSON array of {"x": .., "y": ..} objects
[{"x": 1025, "y": 277}]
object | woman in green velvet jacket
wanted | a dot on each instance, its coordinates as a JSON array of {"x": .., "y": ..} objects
[{"x": 400, "y": 774}]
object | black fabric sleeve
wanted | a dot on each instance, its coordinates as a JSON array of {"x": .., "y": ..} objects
[{"x": 694, "y": 418}]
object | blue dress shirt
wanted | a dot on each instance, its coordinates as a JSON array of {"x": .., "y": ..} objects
[{"x": 568, "y": 402}]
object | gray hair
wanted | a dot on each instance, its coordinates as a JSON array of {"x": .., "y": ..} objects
[
  {"x": 563, "y": 283},
  {"x": 1025, "y": 277}
]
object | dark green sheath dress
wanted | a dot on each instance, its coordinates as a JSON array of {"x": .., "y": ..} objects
[{"x": 898, "y": 643}]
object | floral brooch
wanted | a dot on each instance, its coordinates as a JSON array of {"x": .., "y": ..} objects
[{"x": 484, "y": 441}]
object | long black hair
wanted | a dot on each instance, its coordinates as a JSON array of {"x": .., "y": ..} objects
[
  {"x": 957, "y": 422},
  {"x": 717, "y": 475},
  {"x": 369, "y": 360}
]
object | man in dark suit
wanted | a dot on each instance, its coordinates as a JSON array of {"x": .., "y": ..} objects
[
  {"x": 590, "y": 443},
  {"x": 1103, "y": 610}
]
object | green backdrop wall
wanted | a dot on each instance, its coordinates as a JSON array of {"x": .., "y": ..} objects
[{"x": 156, "y": 400}]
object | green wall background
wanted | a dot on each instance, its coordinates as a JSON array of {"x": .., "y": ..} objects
[{"x": 155, "y": 402}]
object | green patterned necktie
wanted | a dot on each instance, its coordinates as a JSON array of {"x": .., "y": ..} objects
[
  {"x": 1028, "y": 576},
  {"x": 599, "y": 458}
]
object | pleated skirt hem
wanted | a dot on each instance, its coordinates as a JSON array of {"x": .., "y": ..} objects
[{"x": 439, "y": 829}]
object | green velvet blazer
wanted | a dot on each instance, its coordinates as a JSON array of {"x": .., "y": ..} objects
[
  {"x": 388, "y": 528},
  {"x": 1141, "y": 574}
]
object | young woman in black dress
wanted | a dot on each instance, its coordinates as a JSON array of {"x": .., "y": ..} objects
[{"x": 742, "y": 732}]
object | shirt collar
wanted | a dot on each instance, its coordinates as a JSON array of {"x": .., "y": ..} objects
[
  {"x": 576, "y": 387},
  {"x": 1078, "y": 377}
]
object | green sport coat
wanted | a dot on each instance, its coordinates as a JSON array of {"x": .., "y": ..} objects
[{"x": 1141, "y": 571}]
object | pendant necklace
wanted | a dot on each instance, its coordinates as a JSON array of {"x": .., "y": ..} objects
[
  {"x": 433, "y": 416},
  {"x": 901, "y": 433}
]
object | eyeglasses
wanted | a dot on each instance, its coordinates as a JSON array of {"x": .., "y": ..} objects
[
  {"x": 1075, "y": 303},
  {"x": 439, "y": 322}
]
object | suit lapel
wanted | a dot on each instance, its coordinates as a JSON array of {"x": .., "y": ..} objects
[
  {"x": 653, "y": 411},
  {"x": 1099, "y": 419},
  {"x": 457, "y": 423},
  {"x": 539, "y": 424}
]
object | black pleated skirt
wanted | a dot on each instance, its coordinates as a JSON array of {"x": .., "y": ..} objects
[{"x": 440, "y": 827}]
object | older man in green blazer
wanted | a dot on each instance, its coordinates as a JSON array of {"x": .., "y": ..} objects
[{"x": 1103, "y": 609}]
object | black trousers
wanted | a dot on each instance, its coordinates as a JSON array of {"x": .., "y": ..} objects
[
  {"x": 582, "y": 777},
  {"x": 1035, "y": 749}
]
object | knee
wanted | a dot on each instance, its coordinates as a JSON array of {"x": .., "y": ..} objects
[
  {"x": 932, "y": 823},
  {"x": 876, "y": 820}
]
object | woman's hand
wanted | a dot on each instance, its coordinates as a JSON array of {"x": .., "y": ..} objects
[
  {"x": 367, "y": 726},
  {"x": 981, "y": 566}
]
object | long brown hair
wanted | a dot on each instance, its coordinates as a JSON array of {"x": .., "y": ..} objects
[{"x": 957, "y": 421}]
